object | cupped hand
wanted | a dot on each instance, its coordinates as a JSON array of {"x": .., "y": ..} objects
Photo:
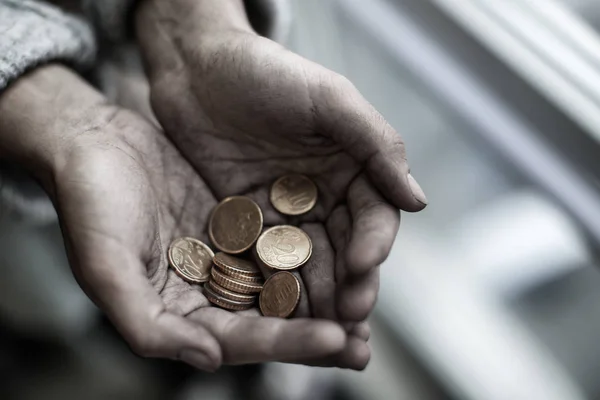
[
  {"x": 245, "y": 111},
  {"x": 123, "y": 193}
]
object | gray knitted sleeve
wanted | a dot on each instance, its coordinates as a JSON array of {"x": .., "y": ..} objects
[
  {"x": 269, "y": 17},
  {"x": 33, "y": 33}
]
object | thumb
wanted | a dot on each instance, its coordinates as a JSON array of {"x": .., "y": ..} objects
[
  {"x": 343, "y": 114},
  {"x": 117, "y": 283}
]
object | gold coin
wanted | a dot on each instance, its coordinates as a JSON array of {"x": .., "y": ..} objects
[
  {"x": 235, "y": 224},
  {"x": 293, "y": 194},
  {"x": 191, "y": 259},
  {"x": 284, "y": 247},
  {"x": 237, "y": 268},
  {"x": 228, "y": 294},
  {"x": 280, "y": 295},
  {"x": 233, "y": 284},
  {"x": 222, "y": 302}
]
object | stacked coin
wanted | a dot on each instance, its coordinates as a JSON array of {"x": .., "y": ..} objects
[
  {"x": 235, "y": 227},
  {"x": 234, "y": 283}
]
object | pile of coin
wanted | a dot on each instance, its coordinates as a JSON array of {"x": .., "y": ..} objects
[
  {"x": 235, "y": 227},
  {"x": 233, "y": 283}
]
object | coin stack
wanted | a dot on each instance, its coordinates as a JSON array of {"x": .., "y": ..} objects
[
  {"x": 233, "y": 283},
  {"x": 235, "y": 227}
]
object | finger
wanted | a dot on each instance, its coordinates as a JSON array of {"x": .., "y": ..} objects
[
  {"x": 362, "y": 331},
  {"x": 303, "y": 310},
  {"x": 260, "y": 339},
  {"x": 356, "y": 355},
  {"x": 352, "y": 122},
  {"x": 375, "y": 225},
  {"x": 139, "y": 314},
  {"x": 339, "y": 228},
  {"x": 356, "y": 297},
  {"x": 319, "y": 273}
]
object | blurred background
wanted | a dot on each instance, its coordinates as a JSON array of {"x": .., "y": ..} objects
[{"x": 492, "y": 293}]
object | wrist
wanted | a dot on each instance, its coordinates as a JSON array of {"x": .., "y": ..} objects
[
  {"x": 179, "y": 18},
  {"x": 172, "y": 33},
  {"x": 42, "y": 113}
]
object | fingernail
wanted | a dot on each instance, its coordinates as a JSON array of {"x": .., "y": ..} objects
[
  {"x": 417, "y": 192},
  {"x": 199, "y": 360}
]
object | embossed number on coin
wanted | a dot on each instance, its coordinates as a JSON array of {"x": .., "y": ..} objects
[
  {"x": 191, "y": 259},
  {"x": 280, "y": 295},
  {"x": 235, "y": 224},
  {"x": 284, "y": 247},
  {"x": 293, "y": 194}
]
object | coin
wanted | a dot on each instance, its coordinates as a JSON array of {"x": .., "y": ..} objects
[
  {"x": 191, "y": 259},
  {"x": 235, "y": 224},
  {"x": 280, "y": 295},
  {"x": 221, "y": 301},
  {"x": 228, "y": 294},
  {"x": 284, "y": 247},
  {"x": 293, "y": 194},
  {"x": 237, "y": 268},
  {"x": 233, "y": 284}
]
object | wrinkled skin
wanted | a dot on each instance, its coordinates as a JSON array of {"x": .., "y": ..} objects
[
  {"x": 123, "y": 193},
  {"x": 247, "y": 111}
]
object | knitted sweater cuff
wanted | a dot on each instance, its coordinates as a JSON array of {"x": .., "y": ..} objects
[
  {"x": 112, "y": 18},
  {"x": 35, "y": 33}
]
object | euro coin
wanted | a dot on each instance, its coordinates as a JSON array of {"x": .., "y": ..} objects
[
  {"x": 238, "y": 268},
  {"x": 233, "y": 284},
  {"x": 227, "y": 304},
  {"x": 228, "y": 294},
  {"x": 284, "y": 247},
  {"x": 293, "y": 194},
  {"x": 280, "y": 295},
  {"x": 235, "y": 224},
  {"x": 191, "y": 259}
]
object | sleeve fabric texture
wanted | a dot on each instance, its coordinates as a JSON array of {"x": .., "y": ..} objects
[
  {"x": 270, "y": 18},
  {"x": 33, "y": 33}
]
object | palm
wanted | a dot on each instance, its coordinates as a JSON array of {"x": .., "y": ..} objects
[
  {"x": 249, "y": 112},
  {"x": 129, "y": 203},
  {"x": 120, "y": 206},
  {"x": 251, "y": 118}
]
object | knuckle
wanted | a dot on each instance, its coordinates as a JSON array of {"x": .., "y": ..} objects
[
  {"x": 342, "y": 81},
  {"x": 368, "y": 209},
  {"x": 337, "y": 89},
  {"x": 357, "y": 307},
  {"x": 396, "y": 144}
]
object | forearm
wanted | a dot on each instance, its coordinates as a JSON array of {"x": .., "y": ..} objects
[
  {"x": 41, "y": 113},
  {"x": 169, "y": 30},
  {"x": 179, "y": 18}
]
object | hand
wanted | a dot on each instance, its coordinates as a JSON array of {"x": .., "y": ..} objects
[
  {"x": 244, "y": 111},
  {"x": 122, "y": 193}
]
